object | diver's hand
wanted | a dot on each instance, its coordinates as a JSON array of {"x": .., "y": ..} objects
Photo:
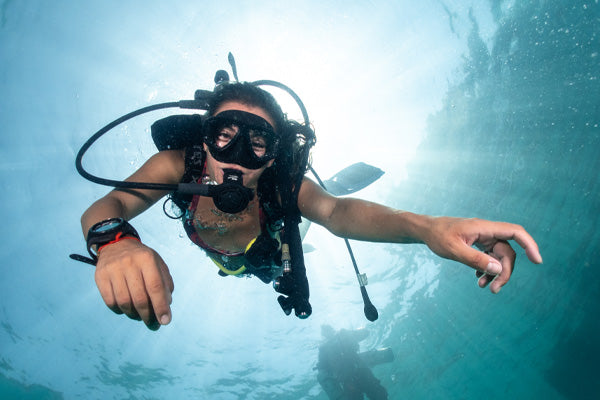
[
  {"x": 135, "y": 281},
  {"x": 453, "y": 238}
]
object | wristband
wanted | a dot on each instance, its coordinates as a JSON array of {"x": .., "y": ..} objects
[{"x": 120, "y": 236}]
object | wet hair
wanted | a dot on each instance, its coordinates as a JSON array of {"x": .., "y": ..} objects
[{"x": 249, "y": 94}]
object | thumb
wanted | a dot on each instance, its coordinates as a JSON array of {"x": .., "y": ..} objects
[{"x": 478, "y": 260}]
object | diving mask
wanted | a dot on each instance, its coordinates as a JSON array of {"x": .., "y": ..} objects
[{"x": 241, "y": 138}]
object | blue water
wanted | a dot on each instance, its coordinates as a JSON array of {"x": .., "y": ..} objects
[{"x": 473, "y": 108}]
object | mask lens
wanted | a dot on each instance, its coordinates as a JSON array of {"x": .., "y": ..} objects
[
  {"x": 224, "y": 133},
  {"x": 263, "y": 142},
  {"x": 242, "y": 138}
]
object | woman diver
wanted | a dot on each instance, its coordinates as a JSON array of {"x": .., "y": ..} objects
[{"x": 247, "y": 143}]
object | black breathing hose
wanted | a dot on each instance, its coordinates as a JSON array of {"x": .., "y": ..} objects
[{"x": 192, "y": 104}]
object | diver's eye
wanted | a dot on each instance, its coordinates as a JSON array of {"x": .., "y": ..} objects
[
  {"x": 225, "y": 135},
  {"x": 259, "y": 143}
]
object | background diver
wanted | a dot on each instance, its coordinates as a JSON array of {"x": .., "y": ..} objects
[
  {"x": 343, "y": 372},
  {"x": 245, "y": 141}
]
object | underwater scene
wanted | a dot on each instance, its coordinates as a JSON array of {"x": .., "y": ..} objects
[{"x": 486, "y": 109}]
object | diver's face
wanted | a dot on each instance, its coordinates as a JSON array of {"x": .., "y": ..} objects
[{"x": 215, "y": 168}]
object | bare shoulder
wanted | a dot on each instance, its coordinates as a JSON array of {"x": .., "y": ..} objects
[
  {"x": 165, "y": 166},
  {"x": 314, "y": 202},
  {"x": 309, "y": 189},
  {"x": 170, "y": 157}
]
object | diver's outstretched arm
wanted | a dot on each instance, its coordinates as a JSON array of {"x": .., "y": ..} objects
[
  {"x": 131, "y": 277},
  {"x": 451, "y": 238}
]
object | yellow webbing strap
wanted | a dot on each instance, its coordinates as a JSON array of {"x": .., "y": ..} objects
[{"x": 237, "y": 271}]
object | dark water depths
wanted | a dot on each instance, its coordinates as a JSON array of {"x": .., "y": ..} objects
[{"x": 519, "y": 139}]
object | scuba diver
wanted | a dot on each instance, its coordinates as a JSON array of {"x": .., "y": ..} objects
[
  {"x": 237, "y": 176},
  {"x": 343, "y": 372}
]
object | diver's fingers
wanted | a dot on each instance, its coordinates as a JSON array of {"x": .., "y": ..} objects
[
  {"x": 484, "y": 279},
  {"x": 507, "y": 256},
  {"x": 113, "y": 290},
  {"x": 167, "y": 278},
  {"x": 123, "y": 297},
  {"x": 141, "y": 302},
  {"x": 476, "y": 259},
  {"x": 506, "y": 231},
  {"x": 159, "y": 285},
  {"x": 106, "y": 291}
]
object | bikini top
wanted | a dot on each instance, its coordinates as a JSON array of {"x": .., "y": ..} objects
[{"x": 262, "y": 256}]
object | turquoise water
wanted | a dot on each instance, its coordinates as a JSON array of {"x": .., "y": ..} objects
[{"x": 487, "y": 109}]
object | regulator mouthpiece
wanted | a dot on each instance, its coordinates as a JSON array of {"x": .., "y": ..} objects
[{"x": 231, "y": 196}]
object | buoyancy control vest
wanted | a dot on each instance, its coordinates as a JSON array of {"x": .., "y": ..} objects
[{"x": 265, "y": 259}]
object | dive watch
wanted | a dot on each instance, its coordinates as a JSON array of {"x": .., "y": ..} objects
[{"x": 107, "y": 231}]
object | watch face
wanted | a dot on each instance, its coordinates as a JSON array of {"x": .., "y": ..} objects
[{"x": 108, "y": 225}]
